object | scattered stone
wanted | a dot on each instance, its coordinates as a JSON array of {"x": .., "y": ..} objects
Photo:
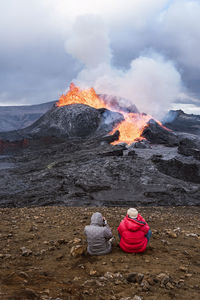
[
  {"x": 188, "y": 275},
  {"x": 77, "y": 250},
  {"x": 93, "y": 272},
  {"x": 145, "y": 285},
  {"x": 24, "y": 274},
  {"x": 180, "y": 283},
  {"x": 108, "y": 275},
  {"x": 117, "y": 282},
  {"x": 46, "y": 291},
  {"x": 177, "y": 230},
  {"x": 25, "y": 251},
  {"x": 76, "y": 278},
  {"x": 118, "y": 275},
  {"x": 99, "y": 283},
  {"x": 135, "y": 277},
  {"x": 52, "y": 248},
  {"x": 90, "y": 281},
  {"x": 151, "y": 280},
  {"x": 183, "y": 269},
  {"x": 191, "y": 234},
  {"x": 76, "y": 241},
  {"x": 171, "y": 234},
  {"x": 59, "y": 257},
  {"x": 141, "y": 144},
  {"x": 61, "y": 241},
  {"x": 81, "y": 266},
  {"x": 165, "y": 242},
  {"x": 169, "y": 286},
  {"x": 163, "y": 278},
  {"x": 88, "y": 292},
  {"x": 33, "y": 228},
  {"x": 137, "y": 297},
  {"x": 102, "y": 278}
]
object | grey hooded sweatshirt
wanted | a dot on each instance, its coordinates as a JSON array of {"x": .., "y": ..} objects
[{"x": 98, "y": 236}]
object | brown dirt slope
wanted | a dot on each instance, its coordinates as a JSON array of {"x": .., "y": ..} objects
[{"x": 36, "y": 262}]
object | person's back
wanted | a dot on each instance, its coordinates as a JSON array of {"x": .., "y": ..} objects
[
  {"x": 98, "y": 235},
  {"x": 134, "y": 232}
]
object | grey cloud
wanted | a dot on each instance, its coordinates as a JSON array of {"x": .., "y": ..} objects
[
  {"x": 34, "y": 66},
  {"x": 173, "y": 32},
  {"x": 36, "y": 76}
]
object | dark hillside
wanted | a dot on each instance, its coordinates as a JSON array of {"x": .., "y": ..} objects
[{"x": 17, "y": 117}]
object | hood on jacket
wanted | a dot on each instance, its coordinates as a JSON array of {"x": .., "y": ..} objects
[
  {"x": 97, "y": 219},
  {"x": 133, "y": 225}
]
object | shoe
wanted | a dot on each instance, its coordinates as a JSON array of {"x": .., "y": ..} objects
[{"x": 112, "y": 239}]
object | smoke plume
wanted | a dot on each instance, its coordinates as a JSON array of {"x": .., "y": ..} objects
[
  {"x": 151, "y": 82},
  {"x": 89, "y": 42}
]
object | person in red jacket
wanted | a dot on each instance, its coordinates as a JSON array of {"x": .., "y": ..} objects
[{"x": 134, "y": 232}]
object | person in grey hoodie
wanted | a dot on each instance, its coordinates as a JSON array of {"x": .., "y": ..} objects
[{"x": 98, "y": 234}]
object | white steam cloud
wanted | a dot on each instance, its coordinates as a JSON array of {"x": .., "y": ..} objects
[
  {"x": 89, "y": 42},
  {"x": 151, "y": 83}
]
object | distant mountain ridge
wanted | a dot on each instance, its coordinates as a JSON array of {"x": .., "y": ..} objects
[
  {"x": 17, "y": 117},
  {"x": 177, "y": 120}
]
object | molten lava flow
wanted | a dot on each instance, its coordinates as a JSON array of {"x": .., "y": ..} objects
[
  {"x": 76, "y": 95},
  {"x": 131, "y": 128}
]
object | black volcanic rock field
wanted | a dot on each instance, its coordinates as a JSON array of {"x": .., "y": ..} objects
[{"x": 65, "y": 158}]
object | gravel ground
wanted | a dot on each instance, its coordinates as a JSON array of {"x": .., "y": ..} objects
[{"x": 42, "y": 255}]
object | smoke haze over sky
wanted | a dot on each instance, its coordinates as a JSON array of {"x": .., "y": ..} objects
[{"x": 143, "y": 50}]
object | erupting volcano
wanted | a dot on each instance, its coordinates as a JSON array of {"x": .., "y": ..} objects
[
  {"x": 76, "y": 95},
  {"x": 130, "y": 128}
]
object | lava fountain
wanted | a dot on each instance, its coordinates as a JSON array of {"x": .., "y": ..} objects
[
  {"x": 76, "y": 95},
  {"x": 130, "y": 129}
]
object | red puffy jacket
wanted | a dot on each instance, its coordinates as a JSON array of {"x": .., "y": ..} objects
[{"x": 132, "y": 232}]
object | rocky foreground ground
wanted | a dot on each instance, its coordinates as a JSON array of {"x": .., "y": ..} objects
[{"x": 42, "y": 255}]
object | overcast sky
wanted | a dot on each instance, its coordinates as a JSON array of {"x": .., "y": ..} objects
[{"x": 122, "y": 46}]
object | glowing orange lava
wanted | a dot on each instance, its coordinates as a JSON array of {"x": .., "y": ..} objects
[
  {"x": 130, "y": 129},
  {"x": 76, "y": 95}
]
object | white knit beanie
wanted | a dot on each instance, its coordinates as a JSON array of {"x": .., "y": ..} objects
[{"x": 132, "y": 212}]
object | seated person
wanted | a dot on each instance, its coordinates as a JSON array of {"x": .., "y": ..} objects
[
  {"x": 134, "y": 232},
  {"x": 98, "y": 235}
]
